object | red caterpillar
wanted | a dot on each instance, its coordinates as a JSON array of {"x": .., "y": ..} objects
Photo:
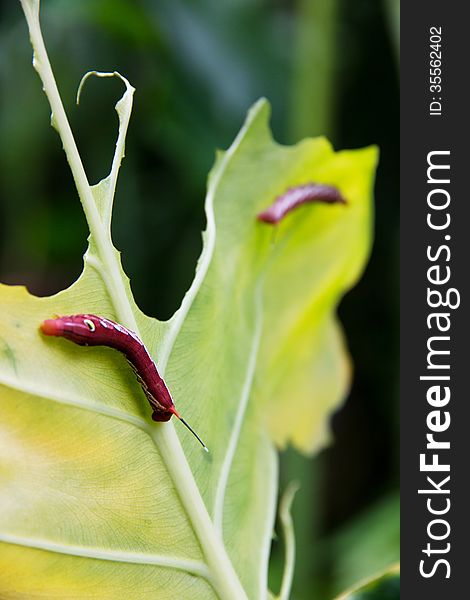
[
  {"x": 90, "y": 330},
  {"x": 296, "y": 196}
]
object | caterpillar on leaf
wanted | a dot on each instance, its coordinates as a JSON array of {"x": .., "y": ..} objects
[{"x": 91, "y": 330}]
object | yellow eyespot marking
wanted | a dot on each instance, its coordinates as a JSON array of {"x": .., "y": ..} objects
[{"x": 91, "y": 326}]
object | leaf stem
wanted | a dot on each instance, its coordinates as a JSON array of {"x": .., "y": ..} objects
[
  {"x": 312, "y": 97},
  {"x": 289, "y": 539}
]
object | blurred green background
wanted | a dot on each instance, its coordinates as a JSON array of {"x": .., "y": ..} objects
[{"x": 328, "y": 67}]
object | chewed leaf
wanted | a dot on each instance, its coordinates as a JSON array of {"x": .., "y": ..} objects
[
  {"x": 104, "y": 191},
  {"x": 300, "y": 272},
  {"x": 95, "y": 498}
]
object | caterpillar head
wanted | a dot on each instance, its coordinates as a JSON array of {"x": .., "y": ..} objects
[{"x": 76, "y": 328}]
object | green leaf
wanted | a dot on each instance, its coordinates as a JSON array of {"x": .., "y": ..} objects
[
  {"x": 96, "y": 499},
  {"x": 381, "y": 587},
  {"x": 368, "y": 544}
]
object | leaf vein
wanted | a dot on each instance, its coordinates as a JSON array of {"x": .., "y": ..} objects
[
  {"x": 77, "y": 402},
  {"x": 182, "y": 564},
  {"x": 242, "y": 405}
]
